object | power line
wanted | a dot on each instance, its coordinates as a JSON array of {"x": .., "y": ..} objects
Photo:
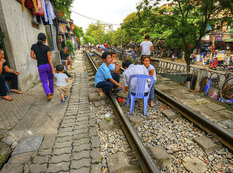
[{"x": 107, "y": 23}]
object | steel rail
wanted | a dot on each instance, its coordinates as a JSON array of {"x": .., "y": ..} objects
[
  {"x": 145, "y": 160},
  {"x": 225, "y": 137},
  {"x": 221, "y": 134}
]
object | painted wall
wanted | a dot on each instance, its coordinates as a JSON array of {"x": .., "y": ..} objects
[{"x": 19, "y": 36}]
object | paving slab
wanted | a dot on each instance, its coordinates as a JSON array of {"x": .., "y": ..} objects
[{"x": 28, "y": 145}]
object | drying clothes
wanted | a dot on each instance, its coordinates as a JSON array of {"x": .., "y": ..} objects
[
  {"x": 40, "y": 9},
  {"x": 44, "y": 5},
  {"x": 23, "y": 4},
  {"x": 50, "y": 13},
  {"x": 35, "y": 6}
]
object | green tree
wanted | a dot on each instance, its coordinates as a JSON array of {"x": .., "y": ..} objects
[
  {"x": 63, "y": 6},
  {"x": 188, "y": 20},
  {"x": 88, "y": 39}
]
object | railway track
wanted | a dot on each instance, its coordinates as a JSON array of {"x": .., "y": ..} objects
[
  {"x": 145, "y": 160},
  {"x": 209, "y": 127}
]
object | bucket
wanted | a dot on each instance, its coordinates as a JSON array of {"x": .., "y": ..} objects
[{"x": 107, "y": 117}]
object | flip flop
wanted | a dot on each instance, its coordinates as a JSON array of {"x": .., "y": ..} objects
[
  {"x": 8, "y": 98},
  {"x": 63, "y": 101},
  {"x": 16, "y": 91},
  {"x": 66, "y": 97},
  {"x": 102, "y": 95}
]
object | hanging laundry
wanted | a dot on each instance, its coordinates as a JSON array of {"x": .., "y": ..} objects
[
  {"x": 51, "y": 14},
  {"x": 35, "y": 6},
  {"x": 40, "y": 9},
  {"x": 23, "y": 4},
  {"x": 29, "y": 4},
  {"x": 44, "y": 5}
]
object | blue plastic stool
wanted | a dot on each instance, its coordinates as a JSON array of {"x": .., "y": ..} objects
[
  {"x": 140, "y": 90},
  {"x": 207, "y": 87},
  {"x": 8, "y": 89}
]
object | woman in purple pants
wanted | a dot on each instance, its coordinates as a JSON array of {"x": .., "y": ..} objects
[{"x": 42, "y": 54}]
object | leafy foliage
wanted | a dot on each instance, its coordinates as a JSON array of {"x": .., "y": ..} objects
[{"x": 69, "y": 45}]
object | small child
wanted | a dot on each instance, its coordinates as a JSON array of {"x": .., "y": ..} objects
[
  {"x": 62, "y": 80},
  {"x": 152, "y": 72}
]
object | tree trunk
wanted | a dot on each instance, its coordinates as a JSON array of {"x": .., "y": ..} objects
[{"x": 187, "y": 60}]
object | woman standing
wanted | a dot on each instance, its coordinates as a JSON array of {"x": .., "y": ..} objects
[{"x": 42, "y": 54}]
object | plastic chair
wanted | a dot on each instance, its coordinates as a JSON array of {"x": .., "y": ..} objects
[
  {"x": 8, "y": 89},
  {"x": 140, "y": 90}
]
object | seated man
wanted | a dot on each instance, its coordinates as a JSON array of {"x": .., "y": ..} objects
[
  {"x": 103, "y": 78},
  {"x": 114, "y": 67},
  {"x": 65, "y": 58},
  {"x": 7, "y": 74},
  {"x": 131, "y": 69}
]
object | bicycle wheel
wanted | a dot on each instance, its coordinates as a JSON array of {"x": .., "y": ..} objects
[{"x": 226, "y": 92}]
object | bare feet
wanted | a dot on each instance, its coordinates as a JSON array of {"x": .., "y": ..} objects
[
  {"x": 8, "y": 98},
  {"x": 152, "y": 104},
  {"x": 49, "y": 97},
  {"x": 16, "y": 91}
]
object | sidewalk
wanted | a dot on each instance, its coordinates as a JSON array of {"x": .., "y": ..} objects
[{"x": 70, "y": 142}]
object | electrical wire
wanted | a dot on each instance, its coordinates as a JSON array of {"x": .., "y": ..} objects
[{"x": 107, "y": 23}]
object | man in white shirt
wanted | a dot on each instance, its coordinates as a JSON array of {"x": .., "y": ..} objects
[
  {"x": 131, "y": 69},
  {"x": 146, "y": 46}
]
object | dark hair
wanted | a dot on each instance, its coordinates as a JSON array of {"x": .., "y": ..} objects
[
  {"x": 144, "y": 57},
  {"x": 105, "y": 54},
  {"x": 147, "y": 37},
  {"x": 113, "y": 53},
  {"x": 126, "y": 63},
  {"x": 60, "y": 67},
  {"x": 41, "y": 37}
]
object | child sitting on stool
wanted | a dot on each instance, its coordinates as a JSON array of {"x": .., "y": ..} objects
[{"x": 62, "y": 80}]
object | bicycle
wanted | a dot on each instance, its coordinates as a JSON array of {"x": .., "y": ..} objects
[{"x": 226, "y": 92}]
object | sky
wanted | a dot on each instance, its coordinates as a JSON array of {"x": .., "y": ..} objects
[{"x": 110, "y": 11}]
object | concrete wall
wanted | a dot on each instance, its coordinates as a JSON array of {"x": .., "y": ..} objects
[{"x": 19, "y": 36}]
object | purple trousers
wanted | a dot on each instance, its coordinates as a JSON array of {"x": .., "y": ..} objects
[{"x": 46, "y": 75}]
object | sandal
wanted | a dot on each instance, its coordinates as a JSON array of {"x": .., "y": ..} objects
[
  {"x": 49, "y": 97},
  {"x": 8, "y": 98},
  {"x": 63, "y": 101},
  {"x": 66, "y": 97},
  {"x": 16, "y": 91}
]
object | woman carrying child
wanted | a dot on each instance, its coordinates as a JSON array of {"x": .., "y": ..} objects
[
  {"x": 42, "y": 54},
  {"x": 146, "y": 62}
]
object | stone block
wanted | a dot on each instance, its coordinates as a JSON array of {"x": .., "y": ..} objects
[
  {"x": 81, "y": 141},
  {"x": 214, "y": 106},
  {"x": 64, "y": 139},
  {"x": 160, "y": 156},
  {"x": 77, "y": 164},
  {"x": 80, "y": 136},
  {"x": 60, "y": 158},
  {"x": 94, "y": 97},
  {"x": 5, "y": 151},
  {"x": 40, "y": 159},
  {"x": 118, "y": 163},
  {"x": 63, "y": 144},
  {"x": 81, "y": 170},
  {"x": 44, "y": 152},
  {"x": 95, "y": 156},
  {"x": 60, "y": 151},
  {"x": 96, "y": 168},
  {"x": 169, "y": 114},
  {"x": 104, "y": 125},
  {"x": 100, "y": 103},
  {"x": 136, "y": 120},
  {"x": 58, "y": 167},
  {"x": 82, "y": 147},
  {"x": 36, "y": 168},
  {"x": 206, "y": 144},
  {"x": 80, "y": 131},
  {"x": 194, "y": 165},
  {"x": 95, "y": 142},
  {"x": 92, "y": 131},
  {"x": 80, "y": 155},
  {"x": 28, "y": 145}
]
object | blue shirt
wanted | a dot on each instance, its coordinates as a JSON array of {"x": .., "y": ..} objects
[
  {"x": 111, "y": 67},
  {"x": 102, "y": 74}
]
